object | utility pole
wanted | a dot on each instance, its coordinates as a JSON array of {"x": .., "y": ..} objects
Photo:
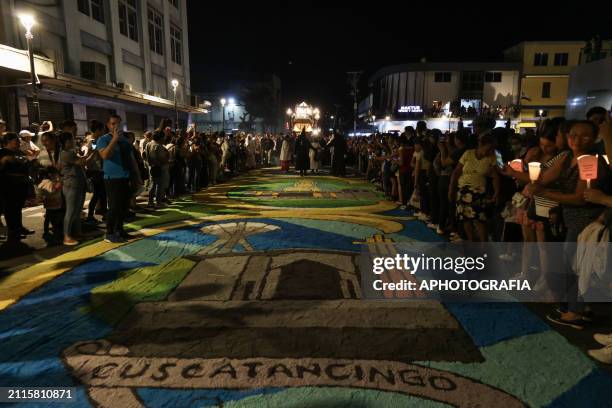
[{"x": 354, "y": 82}]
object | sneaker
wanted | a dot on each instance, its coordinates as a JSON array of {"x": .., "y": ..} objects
[
  {"x": 402, "y": 207},
  {"x": 439, "y": 231},
  {"x": 432, "y": 225},
  {"x": 577, "y": 324},
  {"x": 603, "y": 339},
  {"x": 603, "y": 355},
  {"x": 114, "y": 239},
  {"x": 125, "y": 235},
  {"x": 91, "y": 221}
]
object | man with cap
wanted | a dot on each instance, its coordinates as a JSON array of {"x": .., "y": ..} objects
[{"x": 27, "y": 146}]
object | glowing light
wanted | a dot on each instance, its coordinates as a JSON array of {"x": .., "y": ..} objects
[
  {"x": 27, "y": 20},
  {"x": 175, "y": 84},
  {"x": 289, "y": 112},
  {"x": 534, "y": 171},
  {"x": 232, "y": 102},
  {"x": 223, "y": 101},
  {"x": 387, "y": 117}
]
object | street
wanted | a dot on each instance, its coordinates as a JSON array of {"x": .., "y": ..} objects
[{"x": 250, "y": 297}]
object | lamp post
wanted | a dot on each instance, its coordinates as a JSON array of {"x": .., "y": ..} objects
[
  {"x": 28, "y": 22},
  {"x": 175, "y": 85},
  {"x": 223, "y": 102}
]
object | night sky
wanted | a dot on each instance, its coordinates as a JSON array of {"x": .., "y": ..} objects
[{"x": 311, "y": 47}]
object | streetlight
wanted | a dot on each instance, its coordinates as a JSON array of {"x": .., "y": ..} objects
[
  {"x": 175, "y": 84},
  {"x": 28, "y": 22},
  {"x": 290, "y": 114},
  {"x": 223, "y": 102}
]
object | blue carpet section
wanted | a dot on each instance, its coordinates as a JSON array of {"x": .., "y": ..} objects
[
  {"x": 163, "y": 398},
  {"x": 490, "y": 323},
  {"x": 397, "y": 213},
  {"x": 295, "y": 236},
  {"x": 594, "y": 390},
  {"x": 418, "y": 231}
]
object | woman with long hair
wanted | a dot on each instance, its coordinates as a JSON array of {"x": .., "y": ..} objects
[{"x": 72, "y": 169}]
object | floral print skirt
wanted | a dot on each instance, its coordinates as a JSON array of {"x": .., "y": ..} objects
[{"x": 472, "y": 204}]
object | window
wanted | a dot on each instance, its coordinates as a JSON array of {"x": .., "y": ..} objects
[
  {"x": 128, "y": 19},
  {"x": 561, "y": 59},
  {"x": 175, "y": 3},
  {"x": 176, "y": 47},
  {"x": 83, "y": 6},
  {"x": 545, "y": 89},
  {"x": 95, "y": 6},
  {"x": 156, "y": 31},
  {"x": 540, "y": 59},
  {"x": 94, "y": 71},
  {"x": 493, "y": 77},
  {"x": 442, "y": 76}
]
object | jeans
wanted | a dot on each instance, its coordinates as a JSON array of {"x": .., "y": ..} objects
[
  {"x": 574, "y": 303},
  {"x": 118, "y": 192},
  {"x": 74, "y": 194},
  {"x": 156, "y": 192},
  {"x": 444, "y": 212},
  {"x": 14, "y": 199},
  {"x": 99, "y": 194},
  {"x": 424, "y": 191},
  {"x": 213, "y": 168}
]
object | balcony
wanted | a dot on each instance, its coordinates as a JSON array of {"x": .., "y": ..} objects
[{"x": 588, "y": 55}]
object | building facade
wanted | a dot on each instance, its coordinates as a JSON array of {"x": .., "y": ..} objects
[
  {"x": 440, "y": 93},
  {"x": 545, "y": 71},
  {"x": 233, "y": 115},
  {"x": 590, "y": 83},
  {"x": 107, "y": 56}
]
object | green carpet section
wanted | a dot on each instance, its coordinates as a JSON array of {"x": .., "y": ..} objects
[
  {"x": 536, "y": 368},
  {"x": 308, "y": 203},
  {"x": 306, "y": 185},
  {"x": 112, "y": 301},
  {"x": 333, "y": 397},
  {"x": 179, "y": 210}
]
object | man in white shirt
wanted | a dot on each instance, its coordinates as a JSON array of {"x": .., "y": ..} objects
[{"x": 27, "y": 146}]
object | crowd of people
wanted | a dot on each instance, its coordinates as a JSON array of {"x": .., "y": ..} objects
[
  {"x": 56, "y": 167},
  {"x": 472, "y": 184},
  {"x": 475, "y": 185}
]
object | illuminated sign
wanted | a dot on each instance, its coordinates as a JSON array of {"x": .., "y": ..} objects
[{"x": 410, "y": 109}]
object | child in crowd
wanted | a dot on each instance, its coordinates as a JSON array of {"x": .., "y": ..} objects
[{"x": 50, "y": 189}]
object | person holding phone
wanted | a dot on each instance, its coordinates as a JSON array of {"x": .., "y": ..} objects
[{"x": 115, "y": 151}]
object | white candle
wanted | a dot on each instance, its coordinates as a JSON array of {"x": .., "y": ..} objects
[{"x": 534, "y": 171}]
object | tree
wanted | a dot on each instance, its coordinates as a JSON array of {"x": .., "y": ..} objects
[{"x": 260, "y": 102}]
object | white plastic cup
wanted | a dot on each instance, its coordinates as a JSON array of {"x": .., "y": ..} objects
[{"x": 534, "y": 171}]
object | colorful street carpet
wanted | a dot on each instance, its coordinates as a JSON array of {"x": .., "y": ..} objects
[{"x": 247, "y": 295}]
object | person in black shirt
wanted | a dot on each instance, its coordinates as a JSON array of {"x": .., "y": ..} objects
[{"x": 14, "y": 186}]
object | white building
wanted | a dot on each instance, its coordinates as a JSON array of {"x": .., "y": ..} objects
[
  {"x": 590, "y": 83},
  {"x": 440, "y": 92},
  {"x": 98, "y": 57}
]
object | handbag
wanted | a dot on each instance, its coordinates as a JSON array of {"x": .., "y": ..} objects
[{"x": 519, "y": 201}]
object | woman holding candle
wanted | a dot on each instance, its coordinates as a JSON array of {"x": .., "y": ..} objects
[
  {"x": 577, "y": 213},
  {"x": 469, "y": 182}
]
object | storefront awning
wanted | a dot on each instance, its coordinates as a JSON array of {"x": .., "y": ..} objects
[
  {"x": 18, "y": 61},
  {"x": 74, "y": 84}
]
